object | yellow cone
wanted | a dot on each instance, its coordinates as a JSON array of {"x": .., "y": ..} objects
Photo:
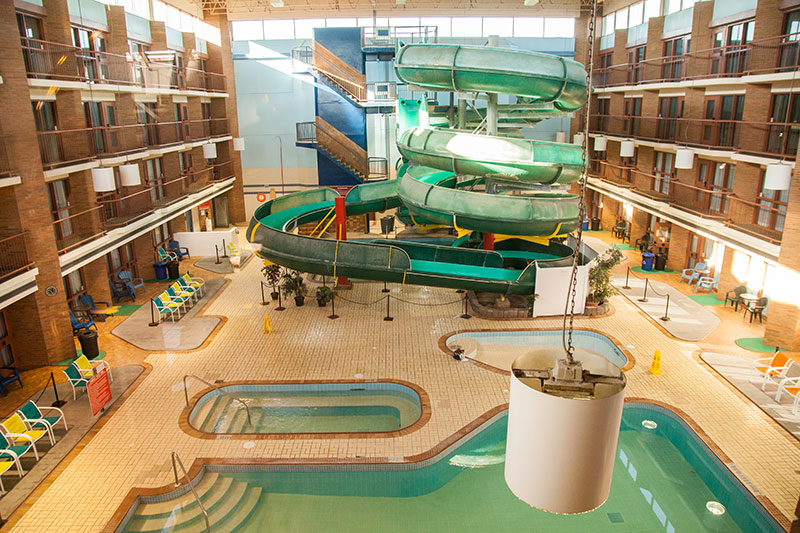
[
  {"x": 267, "y": 325},
  {"x": 655, "y": 368}
]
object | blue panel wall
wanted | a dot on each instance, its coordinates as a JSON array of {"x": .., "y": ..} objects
[
  {"x": 342, "y": 114},
  {"x": 344, "y": 42},
  {"x": 330, "y": 174}
]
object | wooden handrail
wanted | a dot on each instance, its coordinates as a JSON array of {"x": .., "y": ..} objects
[
  {"x": 334, "y": 68},
  {"x": 340, "y": 146}
]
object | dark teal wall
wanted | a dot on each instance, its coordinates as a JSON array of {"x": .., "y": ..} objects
[{"x": 344, "y": 42}]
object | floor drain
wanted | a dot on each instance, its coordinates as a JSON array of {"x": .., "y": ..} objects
[{"x": 615, "y": 518}]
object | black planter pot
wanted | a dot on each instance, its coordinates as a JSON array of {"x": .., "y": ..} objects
[
  {"x": 299, "y": 300},
  {"x": 321, "y": 302},
  {"x": 274, "y": 295}
]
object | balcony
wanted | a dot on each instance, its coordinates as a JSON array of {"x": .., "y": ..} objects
[
  {"x": 56, "y": 61},
  {"x": 764, "y": 56},
  {"x": 209, "y": 127},
  {"x": 13, "y": 257},
  {"x": 119, "y": 211},
  {"x": 776, "y": 139},
  {"x": 755, "y": 218}
]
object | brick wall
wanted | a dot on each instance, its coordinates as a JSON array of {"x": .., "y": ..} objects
[{"x": 678, "y": 247}]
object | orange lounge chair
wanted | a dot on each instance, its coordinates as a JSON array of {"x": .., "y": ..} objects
[{"x": 770, "y": 367}]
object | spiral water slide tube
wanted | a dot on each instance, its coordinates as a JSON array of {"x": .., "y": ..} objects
[{"x": 437, "y": 183}]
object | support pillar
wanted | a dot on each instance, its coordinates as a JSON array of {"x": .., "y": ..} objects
[
  {"x": 488, "y": 241},
  {"x": 491, "y": 108},
  {"x": 341, "y": 228},
  {"x": 462, "y": 112}
]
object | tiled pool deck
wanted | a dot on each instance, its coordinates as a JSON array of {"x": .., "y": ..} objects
[{"x": 132, "y": 449}]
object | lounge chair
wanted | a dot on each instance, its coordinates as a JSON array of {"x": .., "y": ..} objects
[
  {"x": 165, "y": 306},
  {"x": 692, "y": 274},
  {"x": 644, "y": 243},
  {"x": 88, "y": 370},
  {"x": 768, "y": 367},
  {"x": 791, "y": 386},
  {"x": 8, "y": 450},
  {"x": 233, "y": 249},
  {"x": 181, "y": 298},
  {"x": 186, "y": 293},
  {"x": 706, "y": 282},
  {"x": 164, "y": 255},
  {"x": 32, "y": 414},
  {"x": 18, "y": 432},
  {"x": 5, "y": 465},
  {"x": 176, "y": 248},
  {"x": 76, "y": 379},
  {"x": 95, "y": 311},
  {"x": 123, "y": 290},
  {"x": 756, "y": 308},
  {"x": 735, "y": 296},
  {"x": 85, "y": 323},
  {"x": 132, "y": 283},
  {"x": 192, "y": 281},
  {"x": 5, "y": 381}
]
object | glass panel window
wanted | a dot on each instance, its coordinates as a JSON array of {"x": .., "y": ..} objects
[
  {"x": 664, "y": 171},
  {"x": 636, "y": 14},
  {"x": 278, "y": 29},
  {"x": 442, "y": 25},
  {"x": 467, "y": 27},
  {"x": 304, "y": 28},
  {"x": 559, "y": 27},
  {"x": 621, "y": 19},
  {"x": 502, "y": 26},
  {"x": 528, "y": 27},
  {"x": 341, "y": 23}
]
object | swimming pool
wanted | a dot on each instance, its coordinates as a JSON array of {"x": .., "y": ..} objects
[
  {"x": 586, "y": 339},
  {"x": 665, "y": 479},
  {"x": 373, "y": 407}
]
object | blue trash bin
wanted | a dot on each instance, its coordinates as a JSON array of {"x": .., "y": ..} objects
[
  {"x": 647, "y": 260},
  {"x": 161, "y": 270},
  {"x": 586, "y": 224}
]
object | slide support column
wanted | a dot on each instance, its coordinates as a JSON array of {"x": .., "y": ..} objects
[
  {"x": 488, "y": 241},
  {"x": 341, "y": 227}
]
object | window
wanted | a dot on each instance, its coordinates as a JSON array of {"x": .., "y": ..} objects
[
  {"x": 731, "y": 53},
  {"x": 137, "y": 51},
  {"x": 467, "y": 26},
  {"x": 304, "y": 28},
  {"x": 278, "y": 29},
  {"x": 527, "y": 27},
  {"x": 502, "y": 26},
  {"x": 633, "y": 110},
  {"x": 146, "y": 114},
  {"x": 664, "y": 171},
  {"x": 74, "y": 286},
  {"x": 672, "y": 67},
  {"x": 669, "y": 110},
  {"x": 119, "y": 259},
  {"x": 91, "y": 46},
  {"x": 772, "y": 213},
  {"x": 205, "y": 110},
  {"x": 785, "y": 113},
  {"x": 636, "y": 14},
  {"x": 161, "y": 236},
  {"x": 791, "y": 36},
  {"x": 154, "y": 178},
  {"x": 112, "y": 204},
  {"x": 44, "y": 114},
  {"x": 100, "y": 117},
  {"x": 603, "y": 107},
  {"x": 721, "y": 186},
  {"x": 60, "y": 208},
  {"x": 621, "y": 19},
  {"x": 722, "y": 117},
  {"x": 604, "y": 73},
  {"x": 181, "y": 114},
  {"x": 186, "y": 164},
  {"x": 559, "y": 27},
  {"x": 30, "y": 29},
  {"x": 635, "y": 64}
]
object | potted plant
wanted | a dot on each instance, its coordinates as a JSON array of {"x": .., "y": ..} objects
[
  {"x": 273, "y": 274},
  {"x": 532, "y": 301},
  {"x": 324, "y": 295},
  {"x": 292, "y": 284},
  {"x": 600, "y": 287}
]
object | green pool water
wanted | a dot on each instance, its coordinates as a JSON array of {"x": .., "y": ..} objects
[{"x": 663, "y": 479}]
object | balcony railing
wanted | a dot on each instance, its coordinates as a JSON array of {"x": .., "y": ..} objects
[
  {"x": 79, "y": 228},
  {"x": 762, "y": 138},
  {"x": 751, "y": 217},
  {"x": 120, "y": 211},
  {"x": 221, "y": 171},
  {"x": 56, "y": 61},
  {"x": 762, "y": 56},
  {"x": 13, "y": 256},
  {"x": 306, "y": 132},
  {"x": 209, "y": 127}
]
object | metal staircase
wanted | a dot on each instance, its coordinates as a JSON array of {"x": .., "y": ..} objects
[{"x": 342, "y": 151}]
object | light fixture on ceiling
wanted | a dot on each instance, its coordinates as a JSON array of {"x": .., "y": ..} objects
[
  {"x": 276, "y": 3},
  {"x": 400, "y": 2},
  {"x": 531, "y": 2},
  {"x": 600, "y": 144},
  {"x": 778, "y": 177}
]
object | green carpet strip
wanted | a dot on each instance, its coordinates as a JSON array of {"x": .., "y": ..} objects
[{"x": 755, "y": 344}]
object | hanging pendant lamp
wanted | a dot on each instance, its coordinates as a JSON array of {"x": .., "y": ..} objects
[
  {"x": 210, "y": 151},
  {"x": 129, "y": 175},
  {"x": 778, "y": 176},
  {"x": 600, "y": 144},
  {"x": 627, "y": 149},
  {"x": 578, "y": 138},
  {"x": 684, "y": 158},
  {"x": 238, "y": 144},
  {"x": 103, "y": 179}
]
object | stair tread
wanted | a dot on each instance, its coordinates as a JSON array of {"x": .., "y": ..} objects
[
  {"x": 219, "y": 516},
  {"x": 202, "y": 488},
  {"x": 243, "y": 512},
  {"x": 185, "y": 514},
  {"x": 213, "y": 413}
]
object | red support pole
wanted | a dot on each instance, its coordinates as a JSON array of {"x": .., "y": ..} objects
[
  {"x": 488, "y": 241},
  {"x": 341, "y": 226}
]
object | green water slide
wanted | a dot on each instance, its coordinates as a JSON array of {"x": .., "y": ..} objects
[{"x": 437, "y": 183}]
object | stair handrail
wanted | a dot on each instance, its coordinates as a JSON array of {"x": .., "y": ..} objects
[
  {"x": 186, "y": 394},
  {"x": 176, "y": 459}
]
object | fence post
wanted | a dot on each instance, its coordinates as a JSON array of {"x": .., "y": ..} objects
[
  {"x": 333, "y": 315},
  {"x": 263, "y": 299},
  {"x": 627, "y": 275},
  {"x": 153, "y": 322},
  {"x": 224, "y": 249},
  {"x": 280, "y": 302},
  {"x": 388, "y": 318},
  {"x": 644, "y": 296},
  {"x": 385, "y": 288},
  {"x": 465, "y": 314},
  {"x": 216, "y": 251},
  {"x": 665, "y": 318}
]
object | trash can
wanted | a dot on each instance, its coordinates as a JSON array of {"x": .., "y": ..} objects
[
  {"x": 586, "y": 224},
  {"x": 161, "y": 269},
  {"x": 88, "y": 340},
  {"x": 595, "y": 224},
  {"x": 172, "y": 269},
  {"x": 661, "y": 261},
  {"x": 647, "y": 260},
  {"x": 387, "y": 224}
]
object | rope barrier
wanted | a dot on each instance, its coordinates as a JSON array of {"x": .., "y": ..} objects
[{"x": 664, "y": 318}]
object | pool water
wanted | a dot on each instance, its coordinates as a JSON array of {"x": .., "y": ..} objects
[
  {"x": 588, "y": 340},
  {"x": 309, "y": 408},
  {"x": 663, "y": 480}
]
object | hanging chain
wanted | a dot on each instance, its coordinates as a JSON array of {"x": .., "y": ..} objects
[{"x": 569, "y": 308}]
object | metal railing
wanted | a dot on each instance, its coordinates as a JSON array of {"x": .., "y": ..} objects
[
  {"x": 73, "y": 230},
  {"x": 176, "y": 461},
  {"x": 306, "y": 131},
  {"x": 762, "y": 56},
  {"x": 13, "y": 256},
  {"x": 209, "y": 127},
  {"x": 387, "y": 36},
  {"x": 228, "y": 394},
  {"x": 752, "y": 137},
  {"x": 122, "y": 210},
  {"x": 378, "y": 168}
]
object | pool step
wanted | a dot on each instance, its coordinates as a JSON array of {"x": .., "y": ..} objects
[
  {"x": 229, "y": 503},
  {"x": 214, "y": 413}
]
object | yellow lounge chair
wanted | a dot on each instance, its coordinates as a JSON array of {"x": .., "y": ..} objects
[
  {"x": 20, "y": 433},
  {"x": 87, "y": 369}
]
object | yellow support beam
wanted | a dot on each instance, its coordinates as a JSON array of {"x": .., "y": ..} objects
[{"x": 322, "y": 222}]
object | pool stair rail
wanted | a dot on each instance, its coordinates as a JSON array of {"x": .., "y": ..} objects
[
  {"x": 214, "y": 503},
  {"x": 236, "y": 398}
]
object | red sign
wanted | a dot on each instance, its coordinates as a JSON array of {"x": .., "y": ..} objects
[
  {"x": 99, "y": 391},
  {"x": 205, "y": 206}
]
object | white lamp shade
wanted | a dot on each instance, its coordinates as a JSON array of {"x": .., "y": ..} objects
[
  {"x": 600, "y": 144},
  {"x": 210, "y": 151},
  {"x": 627, "y": 149},
  {"x": 560, "y": 450},
  {"x": 129, "y": 175},
  {"x": 238, "y": 144},
  {"x": 578, "y": 139},
  {"x": 561, "y": 137},
  {"x": 684, "y": 158},
  {"x": 103, "y": 179},
  {"x": 778, "y": 177}
]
